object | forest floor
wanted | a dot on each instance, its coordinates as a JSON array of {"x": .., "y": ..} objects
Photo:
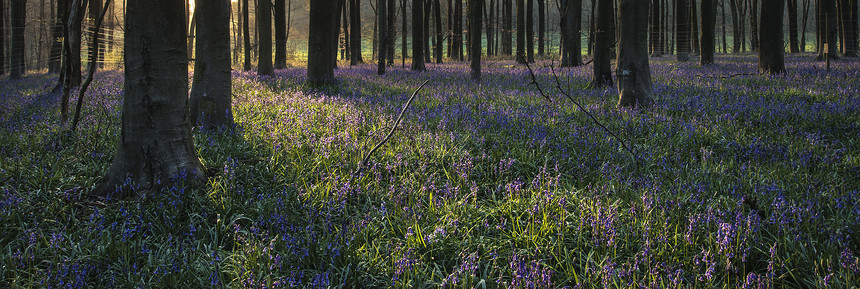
[{"x": 738, "y": 180}]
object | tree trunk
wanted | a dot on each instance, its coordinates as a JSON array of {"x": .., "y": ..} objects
[
  {"x": 633, "y": 72},
  {"x": 3, "y": 38},
  {"x": 803, "y": 25},
  {"x": 507, "y": 27},
  {"x": 521, "y": 32},
  {"x": 530, "y": 31},
  {"x": 541, "y": 26},
  {"x": 489, "y": 16},
  {"x": 771, "y": 53},
  {"x": 723, "y": 26},
  {"x": 246, "y": 34},
  {"x": 392, "y": 30},
  {"x": 264, "y": 29},
  {"x": 156, "y": 148},
  {"x": 826, "y": 32},
  {"x": 355, "y": 32},
  {"x": 427, "y": 39},
  {"x": 571, "y": 23},
  {"x": 457, "y": 49},
  {"x": 793, "y": 46},
  {"x": 709, "y": 36},
  {"x": 211, "y": 88},
  {"x": 321, "y": 19},
  {"x": 56, "y": 38},
  {"x": 475, "y": 8},
  {"x": 694, "y": 27},
  {"x": 382, "y": 37},
  {"x": 280, "y": 34},
  {"x": 191, "y": 26},
  {"x": 682, "y": 32},
  {"x": 72, "y": 76},
  {"x": 847, "y": 17},
  {"x": 604, "y": 39},
  {"x": 654, "y": 33},
  {"x": 417, "y": 35},
  {"x": 754, "y": 14},
  {"x": 737, "y": 31},
  {"x": 437, "y": 14}
]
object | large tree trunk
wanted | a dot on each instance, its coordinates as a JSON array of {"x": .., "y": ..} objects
[
  {"x": 475, "y": 7},
  {"x": 571, "y": 43},
  {"x": 604, "y": 39},
  {"x": 321, "y": 19},
  {"x": 2, "y": 38},
  {"x": 694, "y": 27},
  {"x": 246, "y": 36},
  {"x": 530, "y": 31},
  {"x": 264, "y": 29},
  {"x": 280, "y": 34},
  {"x": 355, "y": 32},
  {"x": 457, "y": 49},
  {"x": 826, "y": 29},
  {"x": 793, "y": 46},
  {"x": 507, "y": 27},
  {"x": 382, "y": 37},
  {"x": 655, "y": 28},
  {"x": 156, "y": 148},
  {"x": 418, "y": 35},
  {"x": 211, "y": 89},
  {"x": 754, "y": 14},
  {"x": 847, "y": 17},
  {"x": 709, "y": 36},
  {"x": 771, "y": 59},
  {"x": 633, "y": 72},
  {"x": 541, "y": 26},
  {"x": 521, "y": 31},
  {"x": 682, "y": 32}
]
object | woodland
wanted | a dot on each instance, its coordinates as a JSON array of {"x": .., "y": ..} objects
[{"x": 429, "y": 144}]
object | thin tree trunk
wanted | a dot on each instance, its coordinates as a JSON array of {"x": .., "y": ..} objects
[
  {"x": 417, "y": 36},
  {"x": 246, "y": 36},
  {"x": 156, "y": 148},
  {"x": 355, "y": 32},
  {"x": 427, "y": 36},
  {"x": 521, "y": 31},
  {"x": 382, "y": 18},
  {"x": 604, "y": 39},
  {"x": 754, "y": 14},
  {"x": 771, "y": 53},
  {"x": 99, "y": 19},
  {"x": 793, "y": 46},
  {"x": 280, "y": 34},
  {"x": 541, "y": 26},
  {"x": 475, "y": 8},
  {"x": 694, "y": 27},
  {"x": 264, "y": 29},
  {"x": 403, "y": 49},
  {"x": 530, "y": 31},
  {"x": 392, "y": 30},
  {"x": 803, "y": 25},
  {"x": 56, "y": 37},
  {"x": 507, "y": 27},
  {"x": 709, "y": 21},
  {"x": 654, "y": 32},
  {"x": 437, "y": 15},
  {"x": 682, "y": 33},
  {"x": 320, "y": 42},
  {"x": 458, "y": 31},
  {"x": 3, "y": 38}
]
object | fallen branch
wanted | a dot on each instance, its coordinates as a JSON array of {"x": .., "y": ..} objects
[
  {"x": 581, "y": 108},
  {"x": 366, "y": 158}
]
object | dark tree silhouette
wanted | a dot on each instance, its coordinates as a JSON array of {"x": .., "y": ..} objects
[
  {"x": 155, "y": 148},
  {"x": 382, "y": 22},
  {"x": 656, "y": 27},
  {"x": 418, "y": 36},
  {"x": 682, "y": 30},
  {"x": 604, "y": 39},
  {"x": 826, "y": 29},
  {"x": 18, "y": 21},
  {"x": 457, "y": 49},
  {"x": 541, "y": 26},
  {"x": 632, "y": 71},
  {"x": 2, "y": 38},
  {"x": 437, "y": 15},
  {"x": 530, "y": 31},
  {"x": 246, "y": 34},
  {"x": 475, "y": 13},
  {"x": 507, "y": 27},
  {"x": 280, "y": 34},
  {"x": 571, "y": 42},
  {"x": 355, "y": 32},
  {"x": 264, "y": 29},
  {"x": 321, "y": 20},
  {"x": 771, "y": 59},
  {"x": 521, "y": 31},
  {"x": 709, "y": 36},
  {"x": 848, "y": 27},
  {"x": 211, "y": 88},
  {"x": 793, "y": 45}
]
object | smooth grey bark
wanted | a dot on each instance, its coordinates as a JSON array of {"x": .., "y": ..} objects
[
  {"x": 156, "y": 148},
  {"x": 475, "y": 8},
  {"x": 632, "y": 71},
  {"x": 320, "y": 40},
  {"x": 709, "y": 36},
  {"x": 280, "y": 34},
  {"x": 264, "y": 29},
  {"x": 211, "y": 89},
  {"x": 771, "y": 58},
  {"x": 604, "y": 36},
  {"x": 418, "y": 36},
  {"x": 571, "y": 24},
  {"x": 382, "y": 18}
]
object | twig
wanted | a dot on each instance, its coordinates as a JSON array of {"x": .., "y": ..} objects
[
  {"x": 581, "y": 108},
  {"x": 363, "y": 162}
]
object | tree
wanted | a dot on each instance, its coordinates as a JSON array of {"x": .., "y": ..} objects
[
  {"x": 654, "y": 32},
  {"x": 754, "y": 14},
  {"x": 264, "y": 26},
  {"x": 571, "y": 23},
  {"x": 682, "y": 32},
  {"x": 521, "y": 31},
  {"x": 709, "y": 36},
  {"x": 530, "y": 31},
  {"x": 475, "y": 8},
  {"x": 18, "y": 21},
  {"x": 211, "y": 89},
  {"x": 437, "y": 15},
  {"x": 246, "y": 36},
  {"x": 403, "y": 50},
  {"x": 848, "y": 27},
  {"x": 507, "y": 27},
  {"x": 280, "y": 34},
  {"x": 355, "y": 32},
  {"x": 382, "y": 15},
  {"x": 771, "y": 52},
  {"x": 541, "y": 26},
  {"x": 826, "y": 29},
  {"x": 604, "y": 39},
  {"x": 321, "y": 20},
  {"x": 418, "y": 35},
  {"x": 56, "y": 37},
  {"x": 793, "y": 45},
  {"x": 633, "y": 72},
  {"x": 156, "y": 148},
  {"x": 392, "y": 30},
  {"x": 694, "y": 27},
  {"x": 2, "y": 38},
  {"x": 457, "y": 49}
]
